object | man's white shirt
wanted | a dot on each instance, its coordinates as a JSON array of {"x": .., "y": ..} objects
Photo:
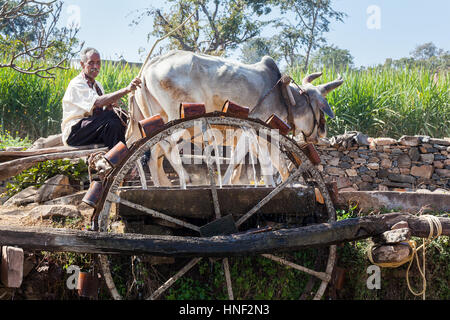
[{"x": 78, "y": 103}]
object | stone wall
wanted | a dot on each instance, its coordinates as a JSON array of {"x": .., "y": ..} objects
[{"x": 407, "y": 164}]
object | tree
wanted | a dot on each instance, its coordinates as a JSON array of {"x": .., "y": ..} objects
[
  {"x": 425, "y": 51},
  {"x": 30, "y": 42},
  {"x": 333, "y": 57},
  {"x": 312, "y": 20},
  {"x": 217, "y": 25},
  {"x": 254, "y": 49}
]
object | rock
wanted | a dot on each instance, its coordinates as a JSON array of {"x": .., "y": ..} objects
[
  {"x": 351, "y": 172},
  {"x": 414, "y": 154},
  {"x": 345, "y": 165},
  {"x": 404, "y": 161},
  {"x": 382, "y": 187},
  {"x": 383, "y": 173},
  {"x": 409, "y": 141},
  {"x": 49, "y": 142},
  {"x": 333, "y": 162},
  {"x": 22, "y": 198},
  {"x": 438, "y": 164},
  {"x": 401, "y": 178},
  {"x": 440, "y": 157},
  {"x": 428, "y": 149},
  {"x": 374, "y": 160},
  {"x": 391, "y": 253},
  {"x": 334, "y": 171},
  {"x": 366, "y": 178},
  {"x": 422, "y": 171},
  {"x": 427, "y": 158},
  {"x": 393, "y": 236},
  {"x": 47, "y": 212},
  {"x": 386, "y": 163},
  {"x": 53, "y": 188},
  {"x": 343, "y": 182},
  {"x": 360, "y": 160},
  {"x": 384, "y": 141},
  {"x": 72, "y": 199},
  {"x": 442, "y": 142},
  {"x": 443, "y": 173},
  {"x": 362, "y": 170},
  {"x": 373, "y": 166},
  {"x": 405, "y": 171}
]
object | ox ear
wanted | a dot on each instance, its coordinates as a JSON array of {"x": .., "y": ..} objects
[
  {"x": 330, "y": 86},
  {"x": 325, "y": 107}
]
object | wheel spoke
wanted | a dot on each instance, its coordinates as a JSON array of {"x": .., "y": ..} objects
[
  {"x": 172, "y": 280},
  {"x": 116, "y": 199},
  {"x": 141, "y": 171},
  {"x": 321, "y": 275},
  {"x": 272, "y": 194},
  {"x": 212, "y": 178},
  {"x": 226, "y": 268}
]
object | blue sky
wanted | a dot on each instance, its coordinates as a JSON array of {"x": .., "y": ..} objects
[{"x": 395, "y": 27}]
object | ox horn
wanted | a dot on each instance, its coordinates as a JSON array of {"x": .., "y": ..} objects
[
  {"x": 310, "y": 78},
  {"x": 330, "y": 86}
]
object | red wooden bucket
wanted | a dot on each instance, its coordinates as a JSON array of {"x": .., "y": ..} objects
[
  {"x": 116, "y": 154},
  {"x": 276, "y": 123},
  {"x": 235, "y": 110},
  {"x": 94, "y": 194},
  {"x": 150, "y": 125},
  {"x": 311, "y": 153},
  {"x": 188, "y": 110}
]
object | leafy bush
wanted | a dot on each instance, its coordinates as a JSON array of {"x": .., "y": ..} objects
[{"x": 38, "y": 174}]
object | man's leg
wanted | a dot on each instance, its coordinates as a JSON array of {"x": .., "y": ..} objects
[{"x": 105, "y": 128}]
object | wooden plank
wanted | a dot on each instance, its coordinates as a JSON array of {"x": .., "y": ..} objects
[
  {"x": 13, "y": 155},
  {"x": 63, "y": 240},
  {"x": 197, "y": 202},
  {"x": 12, "y": 267},
  {"x": 11, "y": 168}
]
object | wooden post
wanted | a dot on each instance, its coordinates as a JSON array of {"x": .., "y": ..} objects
[{"x": 12, "y": 267}]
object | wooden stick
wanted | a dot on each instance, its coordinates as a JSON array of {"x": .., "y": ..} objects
[
  {"x": 325, "y": 234},
  {"x": 11, "y": 168}
]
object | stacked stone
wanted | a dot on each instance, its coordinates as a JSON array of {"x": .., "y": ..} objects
[{"x": 407, "y": 164}]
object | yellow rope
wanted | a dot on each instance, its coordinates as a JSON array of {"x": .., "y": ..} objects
[{"x": 435, "y": 225}]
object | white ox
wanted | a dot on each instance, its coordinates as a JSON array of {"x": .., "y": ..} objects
[{"x": 181, "y": 76}]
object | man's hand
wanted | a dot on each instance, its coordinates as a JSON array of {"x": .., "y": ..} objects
[
  {"x": 109, "y": 98},
  {"x": 134, "y": 84}
]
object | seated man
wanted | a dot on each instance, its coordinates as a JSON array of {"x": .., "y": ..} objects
[{"x": 88, "y": 117}]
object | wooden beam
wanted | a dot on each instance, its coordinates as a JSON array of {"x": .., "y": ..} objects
[
  {"x": 64, "y": 240},
  {"x": 11, "y": 168}
]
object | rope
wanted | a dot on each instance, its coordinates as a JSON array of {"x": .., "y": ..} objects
[{"x": 435, "y": 232}]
